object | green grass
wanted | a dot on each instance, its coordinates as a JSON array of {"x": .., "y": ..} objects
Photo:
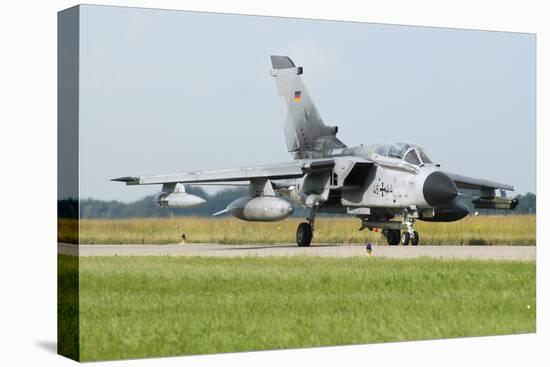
[
  {"x": 68, "y": 307},
  {"x": 481, "y": 230},
  {"x": 133, "y": 307}
]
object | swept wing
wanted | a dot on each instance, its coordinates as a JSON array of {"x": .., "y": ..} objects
[
  {"x": 288, "y": 170},
  {"x": 464, "y": 182}
]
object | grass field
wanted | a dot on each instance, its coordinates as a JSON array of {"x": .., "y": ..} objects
[
  {"x": 132, "y": 307},
  {"x": 481, "y": 230}
]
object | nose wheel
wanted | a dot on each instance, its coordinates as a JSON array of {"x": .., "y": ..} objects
[
  {"x": 407, "y": 238},
  {"x": 414, "y": 239}
]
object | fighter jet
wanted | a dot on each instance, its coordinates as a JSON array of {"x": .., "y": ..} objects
[{"x": 387, "y": 186}]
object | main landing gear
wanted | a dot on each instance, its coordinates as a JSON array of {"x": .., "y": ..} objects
[
  {"x": 392, "y": 236},
  {"x": 304, "y": 233}
]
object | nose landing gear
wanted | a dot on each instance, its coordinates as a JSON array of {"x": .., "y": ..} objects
[
  {"x": 407, "y": 238},
  {"x": 410, "y": 235}
]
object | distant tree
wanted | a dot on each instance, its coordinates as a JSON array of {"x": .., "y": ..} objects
[{"x": 527, "y": 203}]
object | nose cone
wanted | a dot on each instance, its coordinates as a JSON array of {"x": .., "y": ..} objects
[
  {"x": 199, "y": 200},
  {"x": 439, "y": 189},
  {"x": 190, "y": 201}
]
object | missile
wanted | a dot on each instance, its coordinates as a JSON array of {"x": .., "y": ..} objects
[{"x": 495, "y": 203}]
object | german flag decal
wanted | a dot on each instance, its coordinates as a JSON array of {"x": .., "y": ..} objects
[{"x": 297, "y": 96}]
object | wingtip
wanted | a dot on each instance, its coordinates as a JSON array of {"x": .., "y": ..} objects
[{"x": 125, "y": 179}]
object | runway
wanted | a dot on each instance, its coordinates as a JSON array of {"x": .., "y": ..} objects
[{"x": 325, "y": 250}]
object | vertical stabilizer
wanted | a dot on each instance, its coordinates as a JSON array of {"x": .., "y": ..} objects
[{"x": 305, "y": 133}]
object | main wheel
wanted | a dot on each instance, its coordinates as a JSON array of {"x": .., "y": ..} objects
[
  {"x": 392, "y": 235},
  {"x": 414, "y": 240},
  {"x": 405, "y": 237},
  {"x": 304, "y": 234}
]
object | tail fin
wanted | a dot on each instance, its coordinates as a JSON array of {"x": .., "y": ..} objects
[{"x": 305, "y": 133}]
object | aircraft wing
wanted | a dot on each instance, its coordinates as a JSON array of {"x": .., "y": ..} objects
[
  {"x": 463, "y": 182},
  {"x": 293, "y": 169}
]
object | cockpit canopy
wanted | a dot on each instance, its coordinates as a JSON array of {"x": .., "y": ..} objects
[{"x": 410, "y": 153}]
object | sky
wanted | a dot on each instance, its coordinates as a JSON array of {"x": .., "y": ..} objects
[{"x": 164, "y": 91}]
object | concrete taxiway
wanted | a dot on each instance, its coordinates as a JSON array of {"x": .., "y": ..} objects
[{"x": 217, "y": 250}]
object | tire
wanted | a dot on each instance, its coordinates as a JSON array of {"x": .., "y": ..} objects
[
  {"x": 304, "y": 234},
  {"x": 414, "y": 240},
  {"x": 405, "y": 237},
  {"x": 392, "y": 236}
]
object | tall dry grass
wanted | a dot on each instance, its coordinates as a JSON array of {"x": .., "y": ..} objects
[{"x": 481, "y": 230}]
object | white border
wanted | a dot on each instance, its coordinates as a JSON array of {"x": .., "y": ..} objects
[{"x": 28, "y": 180}]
